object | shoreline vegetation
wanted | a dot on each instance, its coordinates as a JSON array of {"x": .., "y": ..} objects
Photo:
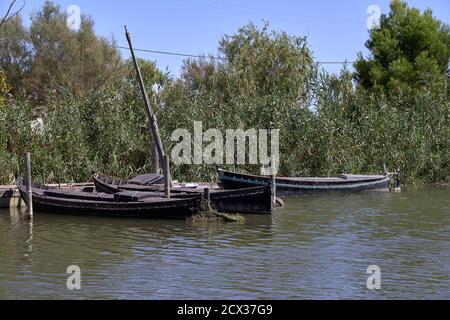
[{"x": 70, "y": 99}]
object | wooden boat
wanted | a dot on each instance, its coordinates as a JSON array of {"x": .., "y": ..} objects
[
  {"x": 293, "y": 186},
  {"x": 248, "y": 200},
  {"x": 147, "y": 179},
  {"x": 5, "y": 197},
  {"x": 121, "y": 204}
]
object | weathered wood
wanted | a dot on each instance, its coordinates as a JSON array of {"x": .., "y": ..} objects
[
  {"x": 150, "y": 114},
  {"x": 255, "y": 200},
  {"x": 28, "y": 188},
  {"x": 157, "y": 143},
  {"x": 207, "y": 198},
  {"x": 57, "y": 185},
  {"x": 293, "y": 185},
  {"x": 167, "y": 178},
  {"x": 51, "y": 200},
  {"x": 6, "y": 196},
  {"x": 273, "y": 184}
]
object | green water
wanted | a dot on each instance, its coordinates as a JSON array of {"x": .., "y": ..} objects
[{"x": 317, "y": 247}]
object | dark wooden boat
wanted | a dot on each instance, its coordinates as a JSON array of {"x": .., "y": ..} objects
[
  {"x": 293, "y": 186},
  {"x": 121, "y": 204},
  {"x": 248, "y": 200},
  {"x": 147, "y": 179},
  {"x": 5, "y": 197}
]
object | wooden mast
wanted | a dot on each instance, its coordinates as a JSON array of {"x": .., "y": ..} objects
[{"x": 152, "y": 119}]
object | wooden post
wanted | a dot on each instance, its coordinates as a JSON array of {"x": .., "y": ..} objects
[
  {"x": 273, "y": 183},
  {"x": 273, "y": 193},
  {"x": 167, "y": 178},
  {"x": 207, "y": 198},
  {"x": 19, "y": 199},
  {"x": 28, "y": 188}
]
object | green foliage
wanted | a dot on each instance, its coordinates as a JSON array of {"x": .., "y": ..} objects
[
  {"x": 261, "y": 83},
  {"x": 265, "y": 63},
  {"x": 15, "y": 54},
  {"x": 266, "y": 80},
  {"x": 48, "y": 55},
  {"x": 409, "y": 51},
  {"x": 416, "y": 142},
  {"x": 4, "y": 88}
]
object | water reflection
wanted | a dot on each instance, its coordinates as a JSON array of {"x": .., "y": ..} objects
[{"x": 318, "y": 246}]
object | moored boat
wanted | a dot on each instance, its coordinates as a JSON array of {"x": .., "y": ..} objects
[
  {"x": 255, "y": 199},
  {"x": 293, "y": 186},
  {"x": 5, "y": 197},
  {"x": 121, "y": 204}
]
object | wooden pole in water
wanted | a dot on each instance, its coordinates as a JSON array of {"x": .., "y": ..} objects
[
  {"x": 28, "y": 188},
  {"x": 207, "y": 198},
  {"x": 167, "y": 178},
  {"x": 273, "y": 184}
]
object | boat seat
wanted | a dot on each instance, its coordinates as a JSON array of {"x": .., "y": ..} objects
[
  {"x": 70, "y": 194},
  {"x": 39, "y": 192},
  {"x": 133, "y": 196},
  {"x": 146, "y": 179}
]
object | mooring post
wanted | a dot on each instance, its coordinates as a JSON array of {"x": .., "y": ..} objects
[
  {"x": 28, "y": 188},
  {"x": 19, "y": 200},
  {"x": 167, "y": 178},
  {"x": 273, "y": 183},
  {"x": 207, "y": 198}
]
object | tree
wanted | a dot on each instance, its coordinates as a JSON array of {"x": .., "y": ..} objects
[
  {"x": 410, "y": 50},
  {"x": 48, "y": 55},
  {"x": 10, "y": 12},
  {"x": 15, "y": 54},
  {"x": 4, "y": 88},
  {"x": 261, "y": 81},
  {"x": 268, "y": 62},
  {"x": 79, "y": 62}
]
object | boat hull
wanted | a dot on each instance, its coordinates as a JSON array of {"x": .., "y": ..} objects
[
  {"x": 157, "y": 208},
  {"x": 249, "y": 200},
  {"x": 5, "y": 198},
  {"x": 290, "y": 186}
]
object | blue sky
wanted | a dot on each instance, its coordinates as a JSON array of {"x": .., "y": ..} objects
[{"x": 336, "y": 30}]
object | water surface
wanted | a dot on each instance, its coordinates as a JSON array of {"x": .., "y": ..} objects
[{"x": 317, "y": 247}]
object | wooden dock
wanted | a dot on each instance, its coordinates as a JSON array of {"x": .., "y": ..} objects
[{"x": 15, "y": 200}]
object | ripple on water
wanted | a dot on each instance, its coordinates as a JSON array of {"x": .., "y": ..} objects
[{"x": 318, "y": 246}]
